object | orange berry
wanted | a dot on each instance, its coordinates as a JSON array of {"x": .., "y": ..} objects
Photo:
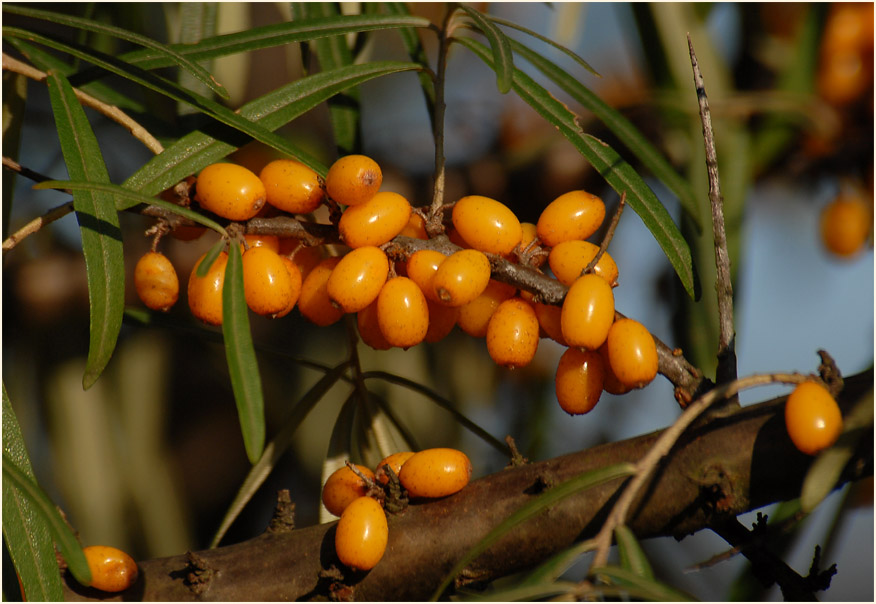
[
  {"x": 342, "y": 487},
  {"x": 272, "y": 242},
  {"x": 395, "y": 462},
  {"x": 267, "y": 284},
  {"x": 291, "y": 186},
  {"x": 358, "y": 278},
  {"x": 402, "y": 312},
  {"x": 549, "y": 319},
  {"x": 314, "y": 303},
  {"x": 843, "y": 77},
  {"x": 442, "y": 320},
  {"x": 416, "y": 227},
  {"x": 632, "y": 353},
  {"x": 295, "y": 282},
  {"x": 529, "y": 235},
  {"x": 579, "y": 380},
  {"x": 812, "y": 418},
  {"x": 611, "y": 383},
  {"x": 512, "y": 334},
  {"x": 569, "y": 258},
  {"x": 421, "y": 268},
  {"x": 461, "y": 278},
  {"x": 305, "y": 257},
  {"x": 435, "y": 473},
  {"x": 572, "y": 215},
  {"x": 230, "y": 191},
  {"x": 205, "y": 293},
  {"x": 475, "y": 316},
  {"x": 486, "y": 224},
  {"x": 362, "y": 534},
  {"x": 846, "y": 223},
  {"x": 588, "y": 312},
  {"x": 353, "y": 179},
  {"x": 376, "y": 221},
  {"x": 111, "y": 569},
  {"x": 369, "y": 328},
  {"x": 156, "y": 282}
]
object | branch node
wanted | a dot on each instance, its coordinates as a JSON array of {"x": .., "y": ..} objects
[
  {"x": 283, "y": 520},
  {"x": 198, "y": 573}
]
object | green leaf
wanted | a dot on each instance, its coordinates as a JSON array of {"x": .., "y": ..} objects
[
  {"x": 125, "y": 199},
  {"x": 61, "y": 533},
  {"x": 503, "y": 58},
  {"x": 416, "y": 52},
  {"x": 209, "y": 258},
  {"x": 620, "y": 126},
  {"x": 537, "y": 505},
  {"x": 240, "y": 354},
  {"x": 617, "y": 172},
  {"x": 117, "y": 32},
  {"x": 526, "y": 593},
  {"x": 98, "y": 224},
  {"x": 642, "y": 588},
  {"x": 553, "y": 568},
  {"x": 631, "y": 555},
  {"x": 27, "y": 534},
  {"x": 277, "y": 447},
  {"x": 271, "y": 111}
]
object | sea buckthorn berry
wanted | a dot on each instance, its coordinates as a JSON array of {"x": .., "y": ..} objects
[
  {"x": 291, "y": 186},
  {"x": 156, "y": 282},
  {"x": 395, "y": 462},
  {"x": 442, "y": 320},
  {"x": 267, "y": 284},
  {"x": 812, "y": 418},
  {"x": 230, "y": 191},
  {"x": 205, "y": 293},
  {"x": 272, "y": 242},
  {"x": 632, "y": 353},
  {"x": 362, "y": 534},
  {"x": 344, "y": 486},
  {"x": 456, "y": 238},
  {"x": 486, "y": 224},
  {"x": 369, "y": 328},
  {"x": 111, "y": 569},
  {"x": 569, "y": 258},
  {"x": 461, "y": 278},
  {"x": 572, "y": 215},
  {"x": 549, "y": 319},
  {"x": 353, "y": 179},
  {"x": 295, "y": 281},
  {"x": 376, "y": 221},
  {"x": 846, "y": 223},
  {"x": 435, "y": 473},
  {"x": 314, "y": 303},
  {"x": 534, "y": 256},
  {"x": 475, "y": 316},
  {"x": 611, "y": 383},
  {"x": 579, "y": 380},
  {"x": 415, "y": 228},
  {"x": 421, "y": 268},
  {"x": 358, "y": 278},
  {"x": 512, "y": 334},
  {"x": 402, "y": 312},
  {"x": 305, "y": 257},
  {"x": 588, "y": 312}
]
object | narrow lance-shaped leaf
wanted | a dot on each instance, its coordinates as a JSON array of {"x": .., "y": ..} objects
[
  {"x": 416, "y": 52},
  {"x": 98, "y": 224},
  {"x": 240, "y": 354},
  {"x": 631, "y": 554},
  {"x": 26, "y": 533},
  {"x": 503, "y": 58},
  {"x": 617, "y": 172},
  {"x": 642, "y": 587}
]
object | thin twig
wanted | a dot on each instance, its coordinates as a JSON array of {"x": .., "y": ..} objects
[
  {"x": 110, "y": 111},
  {"x": 609, "y": 234},
  {"x": 726, "y": 370},
  {"x": 434, "y": 225}
]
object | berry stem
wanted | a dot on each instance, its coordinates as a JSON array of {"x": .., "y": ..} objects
[{"x": 609, "y": 234}]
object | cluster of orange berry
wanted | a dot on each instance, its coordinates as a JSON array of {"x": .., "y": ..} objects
[
  {"x": 362, "y": 532},
  {"x": 846, "y": 53}
]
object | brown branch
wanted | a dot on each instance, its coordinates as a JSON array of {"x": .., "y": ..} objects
[{"x": 715, "y": 472}]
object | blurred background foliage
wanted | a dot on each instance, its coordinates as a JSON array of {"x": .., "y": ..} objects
[{"x": 151, "y": 456}]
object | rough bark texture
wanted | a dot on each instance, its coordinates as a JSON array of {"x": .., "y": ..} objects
[{"x": 718, "y": 470}]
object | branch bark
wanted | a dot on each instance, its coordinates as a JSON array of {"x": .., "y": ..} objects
[{"x": 717, "y": 470}]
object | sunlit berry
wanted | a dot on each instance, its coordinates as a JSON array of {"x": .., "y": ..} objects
[
  {"x": 550, "y": 320},
  {"x": 846, "y": 223},
  {"x": 486, "y": 224},
  {"x": 416, "y": 227},
  {"x": 369, "y": 328},
  {"x": 588, "y": 312},
  {"x": 343, "y": 486},
  {"x": 579, "y": 380},
  {"x": 272, "y": 242},
  {"x": 295, "y": 282},
  {"x": 442, "y": 320},
  {"x": 376, "y": 221},
  {"x": 569, "y": 258},
  {"x": 395, "y": 463},
  {"x": 512, "y": 334},
  {"x": 611, "y": 383},
  {"x": 362, "y": 534},
  {"x": 572, "y": 215},
  {"x": 632, "y": 353},
  {"x": 291, "y": 186},
  {"x": 435, "y": 473},
  {"x": 230, "y": 191},
  {"x": 461, "y": 278},
  {"x": 156, "y": 282},
  {"x": 402, "y": 312},
  {"x": 205, "y": 293},
  {"x": 267, "y": 284},
  {"x": 475, "y": 316},
  {"x": 112, "y": 569},
  {"x": 314, "y": 303},
  {"x": 353, "y": 179},
  {"x": 812, "y": 417},
  {"x": 421, "y": 268},
  {"x": 305, "y": 257},
  {"x": 358, "y": 278}
]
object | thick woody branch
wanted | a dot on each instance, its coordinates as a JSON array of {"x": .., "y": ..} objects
[{"x": 716, "y": 471}]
